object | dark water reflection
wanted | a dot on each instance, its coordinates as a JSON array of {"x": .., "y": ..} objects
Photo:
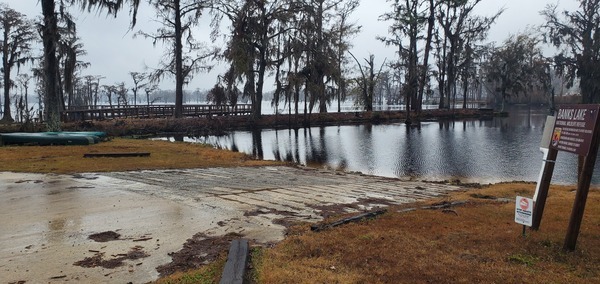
[{"x": 502, "y": 149}]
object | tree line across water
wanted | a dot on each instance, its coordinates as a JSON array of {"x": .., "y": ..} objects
[{"x": 442, "y": 55}]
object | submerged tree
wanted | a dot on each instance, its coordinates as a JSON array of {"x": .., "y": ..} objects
[
  {"x": 255, "y": 26},
  {"x": 342, "y": 29},
  {"x": 184, "y": 56},
  {"x": 408, "y": 19},
  {"x": 516, "y": 68},
  {"x": 138, "y": 83},
  {"x": 367, "y": 81},
  {"x": 17, "y": 37},
  {"x": 320, "y": 33},
  {"x": 23, "y": 83},
  {"x": 458, "y": 26}
]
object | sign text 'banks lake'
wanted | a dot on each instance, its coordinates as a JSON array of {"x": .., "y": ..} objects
[{"x": 574, "y": 128}]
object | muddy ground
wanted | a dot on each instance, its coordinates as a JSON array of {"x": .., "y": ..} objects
[{"x": 136, "y": 226}]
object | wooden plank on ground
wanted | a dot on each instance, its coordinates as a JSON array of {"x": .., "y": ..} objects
[
  {"x": 235, "y": 267},
  {"x": 117, "y": 155},
  {"x": 357, "y": 218}
]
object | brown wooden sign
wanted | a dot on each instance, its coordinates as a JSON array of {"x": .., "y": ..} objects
[{"x": 574, "y": 128}]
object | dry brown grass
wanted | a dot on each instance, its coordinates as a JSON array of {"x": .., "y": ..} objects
[
  {"x": 163, "y": 155},
  {"x": 480, "y": 243}
]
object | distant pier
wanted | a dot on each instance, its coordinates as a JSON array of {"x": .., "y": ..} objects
[{"x": 102, "y": 112}]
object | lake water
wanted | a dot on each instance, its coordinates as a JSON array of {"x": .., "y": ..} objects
[{"x": 485, "y": 151}]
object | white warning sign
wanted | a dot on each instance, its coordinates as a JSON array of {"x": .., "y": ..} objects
[{"x": 524, "y": 211}]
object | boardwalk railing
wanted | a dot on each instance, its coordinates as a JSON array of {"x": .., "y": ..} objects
[{"x": 102, "y": 112}]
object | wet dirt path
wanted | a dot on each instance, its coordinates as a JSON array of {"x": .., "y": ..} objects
[{"x": 138, "y": 218}]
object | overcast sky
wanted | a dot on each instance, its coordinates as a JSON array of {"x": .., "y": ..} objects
[{"x": 113, "y": 52}]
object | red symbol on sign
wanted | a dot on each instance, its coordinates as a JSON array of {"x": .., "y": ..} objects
[
  {"x": 524, "y": 204},
  {"x": 556, "y": 136}
]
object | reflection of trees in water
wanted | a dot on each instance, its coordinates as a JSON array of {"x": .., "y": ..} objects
[
  {"x": 316, "y": 155},
  {"x": 257, "y": 146},
  {"x": 234, "y": 146},
  {"x": 452, "y": 155},
  {"x": 343, "y": 162},
  {"x": 366, "y": 146},
  {"x": 292, "y": 152},
  {"x": 276, "y": 150},
  {"x": 287, "y": 152},
  {"x": 413, "y": 153},
  {"x": 219, "y": 142},
  {"x": 446, "y": 124},
  {"x": 315, "y": 146}
]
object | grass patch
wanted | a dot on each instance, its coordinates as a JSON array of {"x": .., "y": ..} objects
[
  {"x": 163, "y": 155},
  {"x": 480, "y": 244},
  {"x": 207, "y": 274},
  {"x": 526, "y": 260},
  {"x": 256, "y": 256}
]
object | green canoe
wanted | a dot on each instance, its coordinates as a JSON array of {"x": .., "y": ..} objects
[{"x": 51, "y": 138}]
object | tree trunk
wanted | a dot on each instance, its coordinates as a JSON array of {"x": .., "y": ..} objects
[
  {"x": 249, "y": 88},
  {"x": 425, "y": 67},
  {"x": 465, "y": 89},
  {"x": 179, "y": 77},
  {"x": 6, "y": 82},
  {"x": 296, "y": 86},
  {"x": 262, "y": 67},
  {"x": 320, "y": 62},
  {"x": 49, "y": 32},
  {"x": 413, "y": 68}
]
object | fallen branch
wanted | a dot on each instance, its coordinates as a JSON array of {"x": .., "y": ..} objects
[
  {"x": 357, "y": 218},
  {"x": 449, "y": 211},
  {"x": 142, "y": 239},
  {"x": 445, "y": 204},
  {"x": 116, "y": 155}
]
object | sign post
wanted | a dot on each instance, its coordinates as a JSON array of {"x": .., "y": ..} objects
[
  {"x": 577, "y": 131},
  {"x": 524, "y": 212},
  {"x": 541, "y": 191}
]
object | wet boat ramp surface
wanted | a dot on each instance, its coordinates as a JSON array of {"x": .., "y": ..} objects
[{"x": 47, "y": 220}]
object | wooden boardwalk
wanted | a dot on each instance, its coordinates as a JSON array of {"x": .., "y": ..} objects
[{"x": 150, "y": 111}]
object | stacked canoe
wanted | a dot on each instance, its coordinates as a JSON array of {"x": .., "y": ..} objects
[{"x": 53, "y": 138}]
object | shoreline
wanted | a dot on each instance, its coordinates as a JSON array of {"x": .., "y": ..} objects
[{"x": 199, "y": 126}]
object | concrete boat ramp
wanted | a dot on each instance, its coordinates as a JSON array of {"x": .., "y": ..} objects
[{"x": 48, "y": 222}]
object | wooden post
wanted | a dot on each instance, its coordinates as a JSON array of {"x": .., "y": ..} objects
[
  {"x": 540, "y": 202},
  {"x": 234, "y": 271},
  {"x": 583, "y": 187}
]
